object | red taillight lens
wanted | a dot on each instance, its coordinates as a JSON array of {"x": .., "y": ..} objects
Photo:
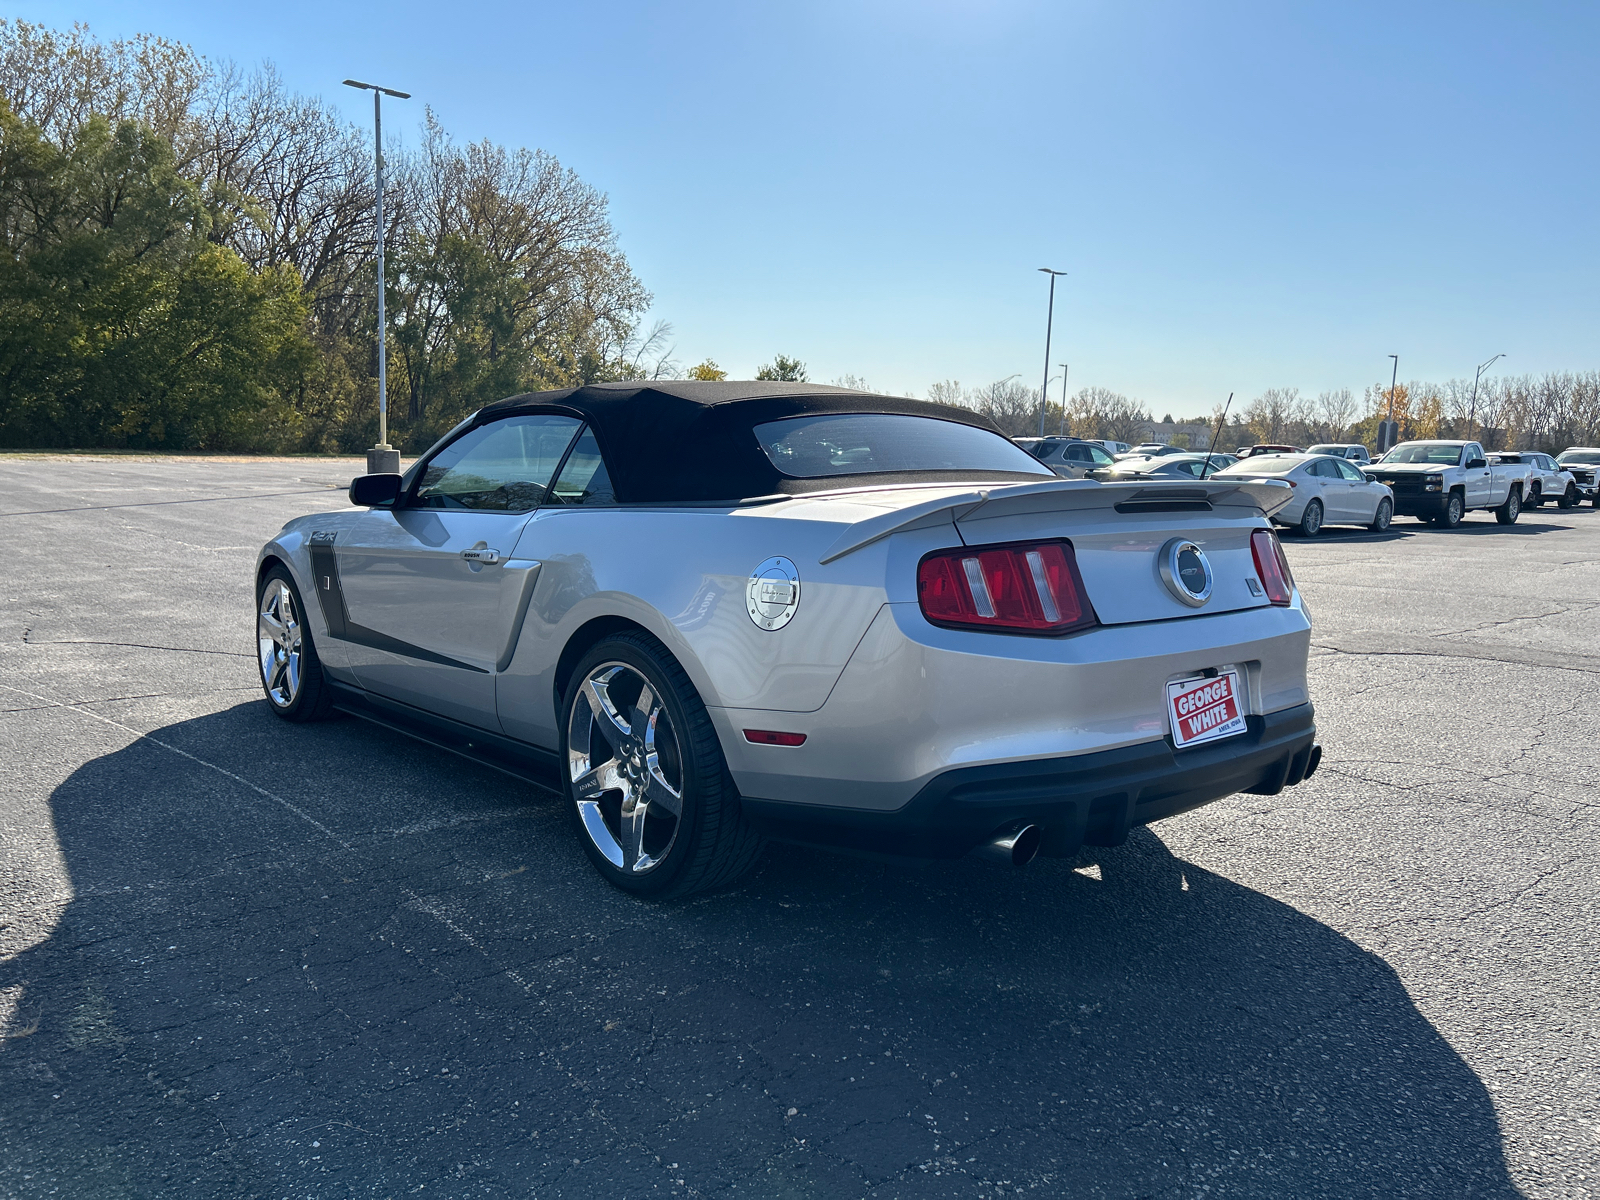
[
  {"x": 1272, "y": 566},
  {"x": 1027, "y": 587}
]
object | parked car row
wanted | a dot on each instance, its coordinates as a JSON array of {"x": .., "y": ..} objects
[{"x": 1338, "y": 483}]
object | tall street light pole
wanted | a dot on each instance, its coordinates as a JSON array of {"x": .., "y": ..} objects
[
  {"x": 1389, "y": 434},
  {"x": 1063, "y": 367},
  {"x": 1049, "y": 321},
  {"x": 382, "y": 459},
  {"x": 1472, "y": 414}
]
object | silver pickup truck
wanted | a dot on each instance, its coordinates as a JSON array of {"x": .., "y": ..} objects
[{"x": 1443, "y": 481}]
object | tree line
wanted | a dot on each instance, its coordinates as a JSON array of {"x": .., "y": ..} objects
[
  {"x": 1539, "y": 412},
  {"x": 191, "y": 261}
]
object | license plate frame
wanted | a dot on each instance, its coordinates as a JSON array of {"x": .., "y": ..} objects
[{"x": 1205, "y": 710}]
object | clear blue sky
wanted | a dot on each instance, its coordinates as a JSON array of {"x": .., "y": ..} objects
[{"x": 1245, "y": 195}]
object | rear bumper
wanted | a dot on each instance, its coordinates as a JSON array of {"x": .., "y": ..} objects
[{"x": 1079, "y": 799}]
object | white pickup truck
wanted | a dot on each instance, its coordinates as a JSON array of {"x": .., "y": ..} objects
[{"x": 1443, "y": 481}]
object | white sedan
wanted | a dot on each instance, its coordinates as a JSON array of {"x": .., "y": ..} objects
[{"x": 1327, "y": 491}]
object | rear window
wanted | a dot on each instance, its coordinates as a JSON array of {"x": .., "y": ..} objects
[
  {"x": 881, "y": 443},
  {"x": 1263, "y": 464}
]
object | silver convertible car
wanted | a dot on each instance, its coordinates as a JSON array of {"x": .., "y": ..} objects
[{"x": 718, "y": 613}]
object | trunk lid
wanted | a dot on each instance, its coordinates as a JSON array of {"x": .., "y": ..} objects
[{"x": 1118, "y": 533}]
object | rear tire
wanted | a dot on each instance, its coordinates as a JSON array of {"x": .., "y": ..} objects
[
  {"x": 1381, "y": 518},
  {"x": 628, "y": 760},
  {"x": 1508, "y": 512},
  {"x": 286, "y": 657},
  {"x": 1310, "y": 520}
]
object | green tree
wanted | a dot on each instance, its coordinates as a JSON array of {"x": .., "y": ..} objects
[
  {"x": 121, "y": 324},
  {"x": 783, "y": 367}
]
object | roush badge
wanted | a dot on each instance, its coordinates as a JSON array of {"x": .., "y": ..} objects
[
  {"x": 1185, "y": 571},
  {"x": 773, "y": 593}
]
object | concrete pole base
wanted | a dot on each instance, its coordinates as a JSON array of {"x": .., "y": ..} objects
[{"x": 383, "y": 460}]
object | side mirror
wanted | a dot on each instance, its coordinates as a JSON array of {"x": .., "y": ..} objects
[
  {"x": 374, "y": 491},
  {"x": 1474, "y": 463}
]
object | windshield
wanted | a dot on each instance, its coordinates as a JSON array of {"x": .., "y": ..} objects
[
  {"x": 1585, "y": 457},
  {"x": 1263, "y": 464},
  {"x": 1444, "y": 454},
  {"x": 874, "y": 443},
  {"x": 1336, "y": 451}
]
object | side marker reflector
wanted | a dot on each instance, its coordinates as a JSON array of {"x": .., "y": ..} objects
[{"x": 772, "y": 737}]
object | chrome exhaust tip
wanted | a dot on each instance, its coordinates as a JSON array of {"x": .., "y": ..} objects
[{"x": 1015, "y": 848}]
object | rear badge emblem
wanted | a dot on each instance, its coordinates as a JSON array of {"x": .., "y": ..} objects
[
  {"x": 773, "y": 593},
  {"x": 1185, "y": 571}
]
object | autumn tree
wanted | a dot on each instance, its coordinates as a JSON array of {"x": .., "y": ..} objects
[{"x": 707, "y": 371}]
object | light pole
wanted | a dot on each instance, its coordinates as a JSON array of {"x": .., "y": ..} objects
[
  {"x": 1063, "y": 367},
  {"x": 1472, "y": 414},
  {"x": 1048, "y": 322},
  {"x": 382, "y": 459},
  {"x": 1389, "y": 432}
]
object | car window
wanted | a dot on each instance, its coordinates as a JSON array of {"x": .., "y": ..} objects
[
  {"x": 1349, "y": 471},
  {"x": 585, "y": 479},
  {"x": 1325, "y": 468},
  {"x": 1472, "y": 451},
  {"x": 1078, "y": 453},
  {"x": 1583, "y": 457},
  {"x": 504, "y": 466},
  {"x": 820, "y": 447}
]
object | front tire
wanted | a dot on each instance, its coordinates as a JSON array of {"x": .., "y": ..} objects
[
  {"x": 1454, "y": 509},
  {"x": 286, "y": 657},
  {"x": 1535, "y": 498},
  {"x": 1508, "y": 512},
  {"x": 1311, "y": 519},
  {"x": 1569, "y": 498},
  {"x": 1384, "y": 515},
  {"x": 650, "y": 794}
]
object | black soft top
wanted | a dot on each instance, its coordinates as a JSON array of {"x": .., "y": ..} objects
[{"x": 671, "y": 442}]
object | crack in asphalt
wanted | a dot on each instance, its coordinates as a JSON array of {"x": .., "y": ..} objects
[
  {"x": 1588, "y": 666},
  {"x": 41, "y": 512},
  {"x": 28, "y": 641}
]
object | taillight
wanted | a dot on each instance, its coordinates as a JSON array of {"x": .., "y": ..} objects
[
  {"x": 1272, "y": 566},
  {"x": 1027, "y": 587}
]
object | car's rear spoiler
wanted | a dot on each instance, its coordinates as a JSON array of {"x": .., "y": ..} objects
[{"x": 1265, "y": 496}]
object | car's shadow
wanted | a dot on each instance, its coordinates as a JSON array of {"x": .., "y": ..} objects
[
  {"x": 429, "y": 985},
  {"x": 1405, "y": 528}
]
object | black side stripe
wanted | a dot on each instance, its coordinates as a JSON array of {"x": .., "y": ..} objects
[{"x": 330, "y": 595}]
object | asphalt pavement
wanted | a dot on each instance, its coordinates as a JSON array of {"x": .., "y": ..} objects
[{"x": 240, "y": 958}]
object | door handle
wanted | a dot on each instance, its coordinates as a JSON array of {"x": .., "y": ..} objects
[{"x": 481, "y": 556}]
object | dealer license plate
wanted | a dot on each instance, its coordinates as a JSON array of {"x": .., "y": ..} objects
[{"x": 1204, "y": 710}]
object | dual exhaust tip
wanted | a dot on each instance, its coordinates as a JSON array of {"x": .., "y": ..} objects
[{"x": 1018, "y": 846}]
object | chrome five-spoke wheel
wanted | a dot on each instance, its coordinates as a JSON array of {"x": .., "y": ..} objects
[
  {"x": 626, "y": 767},
  {"x": 280, "y": 642}
]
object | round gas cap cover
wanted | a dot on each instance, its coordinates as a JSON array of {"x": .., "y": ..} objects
[
  {"x": 773, "y": 593},
  {"x": 1186, "y": 571}
]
